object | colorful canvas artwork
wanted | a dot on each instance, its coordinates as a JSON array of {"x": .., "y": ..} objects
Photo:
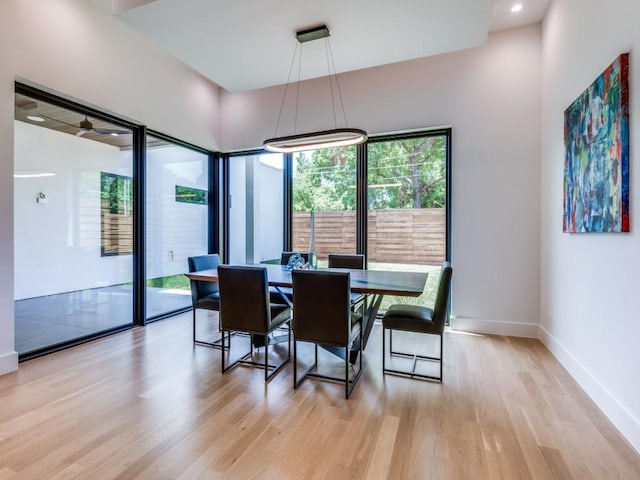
[{"x": 596, "y": 167}]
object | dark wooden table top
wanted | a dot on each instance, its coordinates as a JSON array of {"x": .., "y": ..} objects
[{"x": 409, "y": 284}]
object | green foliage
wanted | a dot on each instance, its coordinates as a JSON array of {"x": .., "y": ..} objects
[
  {"x": 191, "y": 195},
  {"x": 325, "y": 180},
  {"x": 171, "y": 281},
  {"x": 401, "y": 174},
  {"x": 118, "y": 191}
]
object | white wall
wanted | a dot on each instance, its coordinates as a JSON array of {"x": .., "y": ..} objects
[
  {"x": 58, "y": 243},
  {"x": 491, "y": 97},
  {"x": 75, "y": 48},
  {"x": 265, "y": 199},
  {"x": 589, "y": 295},
  {"x": 269, "y": 224}
]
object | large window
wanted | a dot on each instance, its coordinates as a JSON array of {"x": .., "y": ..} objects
[
  {"x": 407, "y": 208},
  {"x": 101, "y": 237},
  {"x": 324, "y": 202},
  {"x": 256, "y": 207},
  {"x": 388, "y": 199},
  {"x": 73, "y": 212},
  {"x": 176, "y": 224}
]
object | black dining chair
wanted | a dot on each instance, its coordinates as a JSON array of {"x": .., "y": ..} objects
[
  {"x": 245, "y": 307},
  {"x": 353, "y": 261},
  {"x": 419, "y": 320},
  {"x": 325, "y": 319},
  {"x": 204, "y": 295}
]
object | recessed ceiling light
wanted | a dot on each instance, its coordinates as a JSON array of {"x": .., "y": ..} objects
[
  {"x": 114, "y": 134},
  {"x": 516, "y": 8},
  {"x": 35, "y": 118}
]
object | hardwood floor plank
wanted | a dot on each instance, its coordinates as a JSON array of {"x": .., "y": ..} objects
[{"x": 147, "y": 404}]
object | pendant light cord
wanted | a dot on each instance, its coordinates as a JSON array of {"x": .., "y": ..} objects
[
  {"x": 284, "y": 95},
  {"x": 335, "y": 74}
]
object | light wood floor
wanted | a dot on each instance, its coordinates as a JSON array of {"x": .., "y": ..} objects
[{"x": 147, "y": 404}]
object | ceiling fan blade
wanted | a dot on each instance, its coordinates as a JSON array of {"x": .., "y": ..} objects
[
  {"x": 81, "y": 132},
  {"x": 110, "y": 131}
]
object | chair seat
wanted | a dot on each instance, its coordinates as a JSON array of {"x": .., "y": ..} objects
[
  {"x": 209, "y": 302},
  {"x": 412, "y": 318}
]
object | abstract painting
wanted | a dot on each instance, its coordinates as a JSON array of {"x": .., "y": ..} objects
[{"x": 596, "y": 164}]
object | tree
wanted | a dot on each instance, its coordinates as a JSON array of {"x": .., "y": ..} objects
[{"x": 407, "y": 173}]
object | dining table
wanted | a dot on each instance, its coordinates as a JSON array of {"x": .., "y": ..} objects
[{"x": 374, "y": 283}]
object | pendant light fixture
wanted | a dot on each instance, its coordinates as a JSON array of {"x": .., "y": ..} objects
[{"x": 336, "y": 137}]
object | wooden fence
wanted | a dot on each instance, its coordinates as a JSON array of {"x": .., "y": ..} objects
[
  {"x": 395, "y": 236},
  {"x": 117, "y": 232}
]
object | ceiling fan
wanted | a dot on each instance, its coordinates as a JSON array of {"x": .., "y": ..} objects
[{"x": 87, "y": 127}]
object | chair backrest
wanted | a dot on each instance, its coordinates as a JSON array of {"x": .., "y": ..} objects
[
  {"x": 285, "y": 256},
  {"x": 321, "y": 306},
  {"x": 343, "y": 260},
  {"x": 442, "y": 296},
  {"x": 244, "y": 298},
  {"x": 200, "y": 289}
]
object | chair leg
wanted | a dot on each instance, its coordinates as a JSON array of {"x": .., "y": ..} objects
[
  {"x": 384, "y": 348},
  {"x": 414, "y": 356},
  {"x": 441, "y": 354},
  {"x": 266, "y": 361},
  {"x": 224, "y": 349},
  {"x": 298, "y": 381},
  {"x": 295, "y": 363},
  {"x": 346, "y": 373},
  {"x": 194, "y": 324}
]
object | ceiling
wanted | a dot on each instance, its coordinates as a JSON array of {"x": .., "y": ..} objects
[
  {"x": 249, "y": 44},
  {"x": 68, "y": 121},
  {"x": 212, "y": 35}
]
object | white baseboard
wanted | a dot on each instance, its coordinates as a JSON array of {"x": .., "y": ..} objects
[
  {"x": 8, "y": 363},
  {"x": 495, "y": 327},
  {"x": 620, "y": 416}
]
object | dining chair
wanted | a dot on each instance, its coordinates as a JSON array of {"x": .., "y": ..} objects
[
  {"x": 420, "y": 320},
  {"x": 204, "y": 295},
  {"x": 245, "y": 307},
  {"x": 354, "y": 261},
  {"x": 325, "y": 319}
]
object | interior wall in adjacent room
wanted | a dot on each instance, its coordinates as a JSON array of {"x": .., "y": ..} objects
[{"x": 589, "y": 281}]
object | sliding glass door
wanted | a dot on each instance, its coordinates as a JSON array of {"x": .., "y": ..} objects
[
  {"x": 324, "y": 202},
  {"x": 256, "y": 207},
  {"x": 407, "y": 208},
  {"x": 176, "y": 222},
  {"x": 74, "y": 212}
]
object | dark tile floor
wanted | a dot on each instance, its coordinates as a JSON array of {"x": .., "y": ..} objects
[{"x": 52, "y": 319}]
